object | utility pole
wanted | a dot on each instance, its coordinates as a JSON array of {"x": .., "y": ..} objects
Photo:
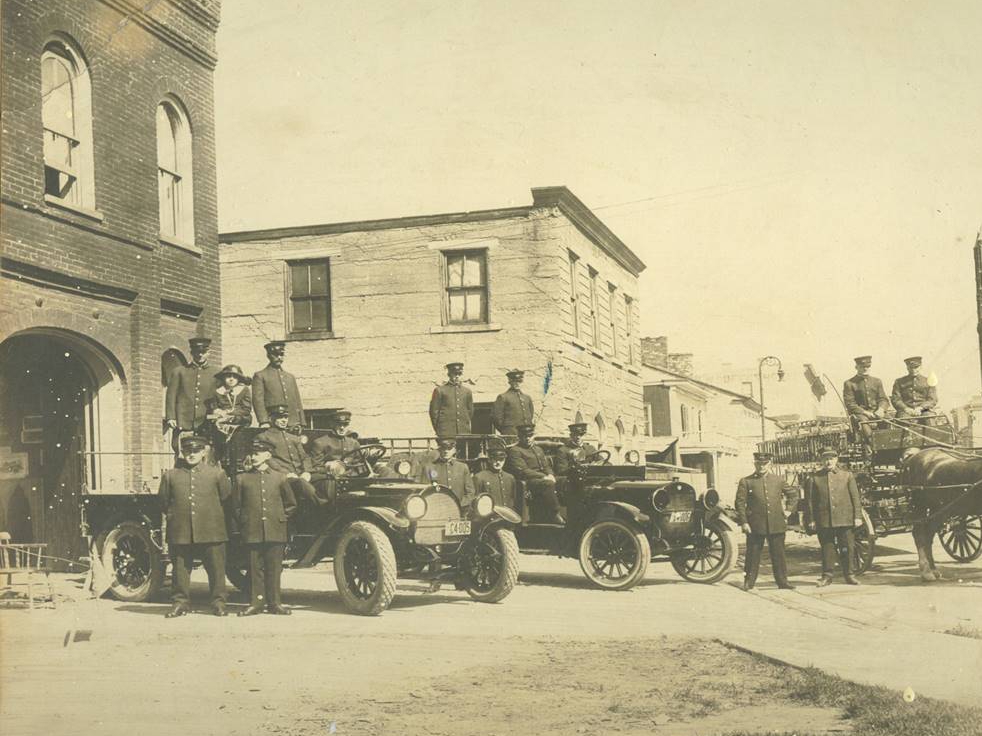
[{"x": 978, "y": 290}]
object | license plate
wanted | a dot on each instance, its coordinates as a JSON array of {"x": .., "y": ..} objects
[
  {"x": 457, "y": 528},
  {"x": 679, "y": 517}
]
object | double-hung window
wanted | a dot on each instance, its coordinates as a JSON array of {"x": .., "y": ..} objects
[
  {"x": 310, "y": 296},
  {"x": 174, "y": 186},
  {"x": 466, "y": 278}
]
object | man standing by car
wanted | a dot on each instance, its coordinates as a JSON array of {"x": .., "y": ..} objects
[
  {"x": 914, "y": 394},
  {"x": 190, "y": 389},
  {"x": 760, "y": 500},
  {"x": 452, "y": 404},
  {"x": 288, "y": 454},
  {"x": 264, "y": 501},
  {"x": 274, "y": 386},
  {"x": 530, "y": 464},
  {"x": 834, "y": 511},
  {"x": 446, "y": 470},
  {"x": 512, "y": 408},
  {"x": 864, "y": 397},
  {"x": 192, "y": 495},
  {"x": 495, "y": 481}
]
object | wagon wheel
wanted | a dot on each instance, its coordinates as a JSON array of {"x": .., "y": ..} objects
[
  {"x": 961, "y": 537},
  {"x": 864, "y": 547},
  {"x": 613, "y": 554}
]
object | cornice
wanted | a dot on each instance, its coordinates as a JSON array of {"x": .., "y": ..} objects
[{"x": 135, "y": 13}]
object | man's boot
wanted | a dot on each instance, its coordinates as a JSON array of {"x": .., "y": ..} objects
[
  {"x": 846, "y": 564},
  {"x": 179, "y": 609}
]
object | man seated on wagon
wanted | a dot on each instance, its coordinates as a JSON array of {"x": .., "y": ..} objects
[
  {"x": 865, "y": 398},
  {"x": 327, "y": 450},
  {"x": 914, "y": 394}
]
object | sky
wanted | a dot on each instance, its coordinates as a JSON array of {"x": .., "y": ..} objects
[{"x": 802, "y": 179}]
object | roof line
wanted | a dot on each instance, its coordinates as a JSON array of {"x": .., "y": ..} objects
[{"x": 713, "y": 386}]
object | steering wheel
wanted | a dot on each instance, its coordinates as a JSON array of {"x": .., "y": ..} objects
[
  {"x": 602, "y": 455},
  {"x": 360, "y": 461}
]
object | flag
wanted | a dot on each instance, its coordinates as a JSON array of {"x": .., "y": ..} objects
[
  {"x": 547, "y": 379},
  {"x": 818, "y": 387}
]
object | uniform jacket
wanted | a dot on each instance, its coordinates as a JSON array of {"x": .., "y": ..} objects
[
  {"x": 451, "y": 410},
  {"x": 190, "y": 388},
  {"x": 452, "y": 473},
  {"x": 864, "y": 393},
  {"x": 760, "y": 503},
  {"x": 912, "y": 393},
  {"x": 329, "y": 447},
  {"x": 833, "y": 499},
  {"x": 529, "y": 463},
  {"x": 288, "y": 453},
  {"x": 499, "y": 485},
  {"x": 192, "y": 500},
  {"x": 511, "y": 409},
  {"x": 237, "y": 404},
  {"x": 272, "y": 386},
  {"x": 567, "y": 455},
  {"x": 265, "y": 501}
]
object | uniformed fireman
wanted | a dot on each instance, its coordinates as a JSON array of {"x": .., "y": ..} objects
[
  {"x": 574, "y": 450},
  {"x": 864, "y": 397},
  {"x": 495, "y": 480},
  {"x": 452, "y": 404},
  {"x": 193, "y": 495},
  {"x": 274, "y": 386},
  {"x": 289, "y": 456},
  {"x": 327, "y": 450},
  {"x": 446, "y": 470},
  {"x": 834, "y": 511},
  {"x": 264, "y": 502},
  {"x": 530, "y": 464},
  {"x": 760, "y": 500},
  {"x": 190, "y": 389},
  {"x": 914, "y": 394},
  {"x": 512, "y": 408}
]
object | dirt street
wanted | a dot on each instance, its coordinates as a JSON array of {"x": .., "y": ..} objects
[{"x": 556, "y": 657}]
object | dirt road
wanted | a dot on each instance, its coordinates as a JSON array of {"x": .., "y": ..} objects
[{"x": 202, "y": 675}]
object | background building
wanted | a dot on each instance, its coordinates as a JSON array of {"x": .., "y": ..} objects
[
  {"x": 110, "y": 257},
  {"x": 373, "y": 310}
]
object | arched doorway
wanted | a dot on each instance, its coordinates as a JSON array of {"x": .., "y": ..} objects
[{"x": 61, "y": 400}]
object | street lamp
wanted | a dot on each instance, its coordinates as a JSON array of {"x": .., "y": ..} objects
[{"x": 768, "y": 360}]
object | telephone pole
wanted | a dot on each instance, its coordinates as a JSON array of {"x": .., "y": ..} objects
[{"x": 978, "y": 290}]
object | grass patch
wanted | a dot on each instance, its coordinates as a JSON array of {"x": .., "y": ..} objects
[{"x": 969, "y": 632}]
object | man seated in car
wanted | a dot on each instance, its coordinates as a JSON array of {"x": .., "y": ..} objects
[
  {"x": 573, "y": 452},
  {"x": 529, "y": 463},
  {"x": 446, "y": 470},
  {"x": 289, "y": 456},
  {"x": 327, "y": 450}
]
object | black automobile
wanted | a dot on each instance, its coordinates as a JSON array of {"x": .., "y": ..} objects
[{"x": 617, "y": 521}]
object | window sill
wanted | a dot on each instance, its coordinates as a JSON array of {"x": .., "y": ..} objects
[
  {"x": 312, "y": 335},
  {"x": 77, "y": 209},
  {"x": 447, "y": 329},
  {"x": 183, "y": 245}
]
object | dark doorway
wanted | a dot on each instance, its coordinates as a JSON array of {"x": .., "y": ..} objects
[{"x": 481, "y": 423}]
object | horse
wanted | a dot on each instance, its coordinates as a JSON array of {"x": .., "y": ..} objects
[{"x": 942, "y": 483}]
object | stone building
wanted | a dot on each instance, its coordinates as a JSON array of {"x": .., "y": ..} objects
[
  {"x": 373, "y": 310},
  {"x": 110, "y": 244}
]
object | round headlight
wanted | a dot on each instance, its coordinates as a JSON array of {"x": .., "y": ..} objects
[
  {"x": 415, "y": 507},
  {"x": 710, "y": 499},
  {"x": 404, "y": 467},
  {"x": 484, "y": 505},
  {"x": 660, "y": 499},
  {"x": 632, "y": 456}
]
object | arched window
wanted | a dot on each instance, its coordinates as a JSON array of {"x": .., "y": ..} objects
[
  {"x": 601, "y": 429},
  {"x": 175, "y": 190},
  {"x": 66, "y": 115}
]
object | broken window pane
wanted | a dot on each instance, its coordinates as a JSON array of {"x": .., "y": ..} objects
[
  {"x": 455, "y": 270},
  {"x": 457, "y": 307},
  {"x": 473, "y": 270}
]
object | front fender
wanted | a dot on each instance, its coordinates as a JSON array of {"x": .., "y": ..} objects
[
  {"x": 377, "y": 513},
  {"x": 620, "y": 510},
  {"x": 729, "y": 524},
  {"x": 503, "y": 513}
]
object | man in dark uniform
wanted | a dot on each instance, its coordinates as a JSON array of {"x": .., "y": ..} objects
[
  {"x": 288, "y": 455},
  {"x": 265, "y": 501},
  {"x": 192, "y": 495},
  {"x": 494, "y": 481},
  {"x": 512, "y": 407},
  {"x": 864, "y": 397},
  {"x": 573, "y": 452},
  {"x": 760, "y": 500},
  {"x": 190, "y": 391},
  {"x": 327, "y": 450},
  {"x": 913, "y": 394},
  {"x": 530, "y": 464},
  {"x": 446, "y": 470},
  {"x": 834, "y": 510},
  {"x": 452, "y": 405},
  {"x": 273, "y": 386}
]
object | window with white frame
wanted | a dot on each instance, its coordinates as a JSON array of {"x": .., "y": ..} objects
[
  {"x": 310, "y": 297},
  {"x": 174, "y": 182},
  {"x": 466, "y": 278},
  {"x": 66, "y": 117}
]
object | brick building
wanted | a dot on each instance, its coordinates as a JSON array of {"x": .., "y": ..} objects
[
  {"x": 110, "y": 247},
  {"x": 373, "y": 310}
]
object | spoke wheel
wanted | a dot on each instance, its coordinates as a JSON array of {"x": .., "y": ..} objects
[
  {"x": 614, "y": 555},
  {"x": 490, "y": 568},
  {"x": 365, "y": 569},
  {"x": 132, "y": 561},
  {"x": 864, "y": 547},
  {"x": 961, "y": 538},
  {"x": 711, "y": 560}
]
